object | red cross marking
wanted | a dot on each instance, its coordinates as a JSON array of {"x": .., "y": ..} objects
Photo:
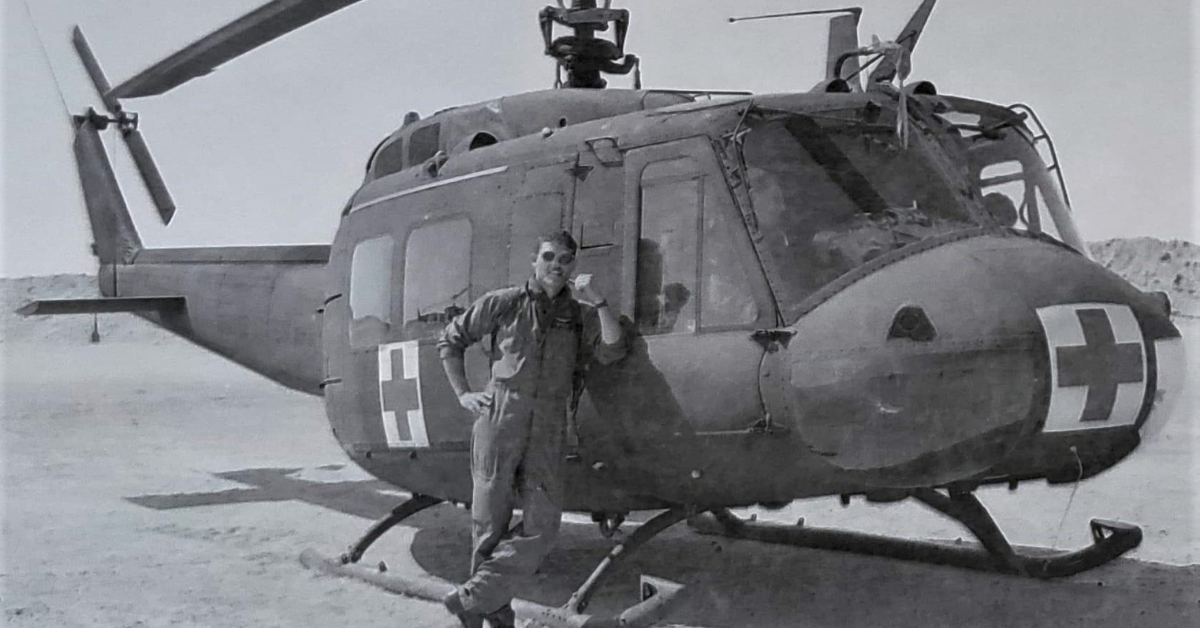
[
  {"x": 400, "y": 395},
  {"x": 1100, "y": 364}
]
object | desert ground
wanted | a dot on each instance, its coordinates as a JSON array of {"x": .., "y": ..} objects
[{"x": 149, "y": 483}]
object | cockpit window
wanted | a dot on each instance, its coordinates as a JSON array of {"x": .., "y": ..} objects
[
  {"x": 390, "y": 158},
  {"x": 1005, "y": 163},
  {"x": 832, "y": 192},
  {"x": 423, "y": 143}
]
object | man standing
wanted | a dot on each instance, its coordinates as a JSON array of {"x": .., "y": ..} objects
[{"x": 538, "y": 335}]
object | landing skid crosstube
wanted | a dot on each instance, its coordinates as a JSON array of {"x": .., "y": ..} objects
[
  {"x": 1110, "y": 539},
  {"x": 657, "y": 595}
]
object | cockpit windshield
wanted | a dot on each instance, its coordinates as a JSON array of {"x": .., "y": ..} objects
[
  {"x": 832, "y": 191},
  {"x": 1009, "y": 171}
]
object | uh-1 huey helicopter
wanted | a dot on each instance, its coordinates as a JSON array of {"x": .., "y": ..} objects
[{"x": 862, "y": 289}]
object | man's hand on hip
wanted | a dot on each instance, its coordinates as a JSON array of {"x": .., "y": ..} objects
[{"x": 475, "y": 402}]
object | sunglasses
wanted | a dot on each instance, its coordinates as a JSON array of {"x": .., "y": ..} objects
[{"x": 564, "y": 259}]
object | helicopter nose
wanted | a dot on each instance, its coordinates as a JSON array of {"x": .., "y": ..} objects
[{"x": 984, "y": 354}]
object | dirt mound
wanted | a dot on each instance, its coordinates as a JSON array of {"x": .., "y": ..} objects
[
  {"x": 66, "y": 329},
  {"x": 1172, "y": 266}
]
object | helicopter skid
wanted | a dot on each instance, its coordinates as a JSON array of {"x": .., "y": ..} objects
[
  {"x": 658, "y": 596},
  {"x": 1110, "y": 539}
]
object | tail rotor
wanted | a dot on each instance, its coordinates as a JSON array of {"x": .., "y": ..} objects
[{"x": 127, "y": 124}]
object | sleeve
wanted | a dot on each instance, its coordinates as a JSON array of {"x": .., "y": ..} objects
[
  {"x": 597, "y": 349},
  {"x": 479, "y": 320}
]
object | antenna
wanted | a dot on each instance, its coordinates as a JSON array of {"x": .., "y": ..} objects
[
  {"x": 855, "y": 11},
  {"x": 843, "y": 40}
]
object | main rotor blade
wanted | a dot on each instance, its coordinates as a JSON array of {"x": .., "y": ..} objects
[
  {"x": 266, "y": 23},
  {"x": 843, "y": 38},
  {"x": 908, "y": 38},
  {"x": 99, "y": 81},
  {"x": 150, "y": 175}
]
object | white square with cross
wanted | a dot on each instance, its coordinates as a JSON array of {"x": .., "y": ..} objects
[
  {"x": 1097, "y": 366},
  {"x": 400, "y": 394}
]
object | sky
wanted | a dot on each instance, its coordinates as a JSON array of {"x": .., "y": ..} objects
[{"x": 267, "y": 149}]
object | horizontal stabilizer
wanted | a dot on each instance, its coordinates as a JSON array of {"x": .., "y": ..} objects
[
  {"x": 304, "y": 253},
  {"x": 102, "y": 305}
]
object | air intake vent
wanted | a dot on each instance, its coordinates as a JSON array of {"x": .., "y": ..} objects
[{"x": 912, "y": 323}]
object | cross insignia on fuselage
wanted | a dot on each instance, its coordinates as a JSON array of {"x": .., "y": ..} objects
[
  {"x": 1101, "y": 364},
  {"x": 400, "y": 395}
]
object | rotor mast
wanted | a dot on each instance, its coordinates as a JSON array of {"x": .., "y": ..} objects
[{"x": 584, "y": 55}]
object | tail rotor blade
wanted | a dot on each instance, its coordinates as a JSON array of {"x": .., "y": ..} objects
[
  {"x": 99, "y": 81},
  {"x": 150, "y": 175},
  {"x": 127, "y": 123},
  {"x": 266, "y": 23},
  {"x": 843, "y": 38}
]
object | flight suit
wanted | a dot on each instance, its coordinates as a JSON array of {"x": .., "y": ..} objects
[{"x": 535, "y": 344}]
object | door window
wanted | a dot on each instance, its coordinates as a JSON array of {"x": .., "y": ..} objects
[
  {"x": 726, "y": 299},
  {"x": 667, "y": 248}
]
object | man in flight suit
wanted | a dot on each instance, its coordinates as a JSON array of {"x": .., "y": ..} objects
[{"x": 538, "y": 334}]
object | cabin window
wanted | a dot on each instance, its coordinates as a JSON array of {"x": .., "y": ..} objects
[
  {"x": 423, "y": 143},
  {"x": 667, "y": 253},
  {"x": 437, "y": 271},
  {"x": 370, "y": 290},
  {"x": 390, "y": 159}
]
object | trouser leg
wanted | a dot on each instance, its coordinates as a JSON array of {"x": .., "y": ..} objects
[
  {"x": 516, "y": 555},
  {"x": 497, "y": 442}
]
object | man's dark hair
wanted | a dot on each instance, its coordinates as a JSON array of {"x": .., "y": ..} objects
[{"x": 560, "y": 238}]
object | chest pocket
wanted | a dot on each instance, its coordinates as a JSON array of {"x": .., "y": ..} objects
[{"x": 561, "y": 342}]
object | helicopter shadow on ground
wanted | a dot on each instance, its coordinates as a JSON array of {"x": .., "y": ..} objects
[
  {"x": 748, "y": 584},
  {"x": 731, "y": 583}
]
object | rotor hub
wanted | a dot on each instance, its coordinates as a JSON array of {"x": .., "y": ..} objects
[{"x": 583, "y": 55}]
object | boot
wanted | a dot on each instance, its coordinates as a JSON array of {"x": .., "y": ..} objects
[
  {"x": 467, "y": 618},
  {"x": 504, "y": 617}
]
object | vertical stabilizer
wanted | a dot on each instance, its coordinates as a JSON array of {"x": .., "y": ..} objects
[
  {"x": 843, "y": 38},
  {"x": 116, "y": 238}
]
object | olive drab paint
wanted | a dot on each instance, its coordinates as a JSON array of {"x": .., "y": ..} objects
[{"x": 705, "y": 409}]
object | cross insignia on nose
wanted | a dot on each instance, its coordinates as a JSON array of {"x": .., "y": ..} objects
[
  {"x": 400, "y": 395},
  {"x": 1101, "y": 364}
]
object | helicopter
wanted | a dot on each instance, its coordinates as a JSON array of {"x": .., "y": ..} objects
[{"x": 866, "y": 289}]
